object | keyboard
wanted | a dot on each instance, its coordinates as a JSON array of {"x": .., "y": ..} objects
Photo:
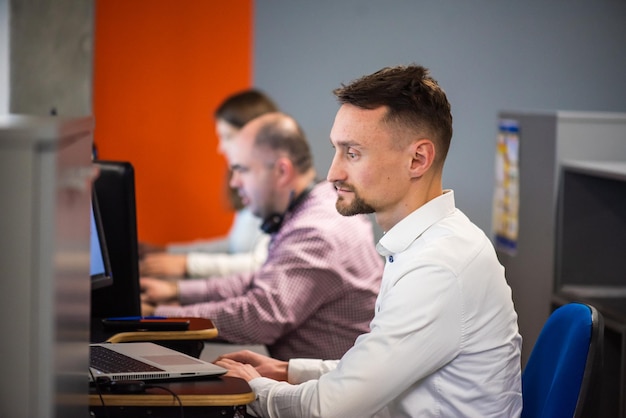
[{"x": 109, "y": 361}]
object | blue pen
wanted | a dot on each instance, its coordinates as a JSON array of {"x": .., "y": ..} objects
[{"x": 135, "y": 318}]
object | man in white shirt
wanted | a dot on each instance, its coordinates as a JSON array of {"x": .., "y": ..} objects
[{"x": 444, "y": 340}]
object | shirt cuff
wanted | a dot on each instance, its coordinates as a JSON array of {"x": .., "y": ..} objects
[
  {"x": 169, "y": 311},
  {"x": 303, "y": 369},
  {"x": 192, "y": 291}
]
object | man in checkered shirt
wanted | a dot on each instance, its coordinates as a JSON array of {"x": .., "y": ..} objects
[{"x": 317, "y": 289}]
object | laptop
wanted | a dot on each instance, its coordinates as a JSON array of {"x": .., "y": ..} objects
[{"x": 145, "y": 361}]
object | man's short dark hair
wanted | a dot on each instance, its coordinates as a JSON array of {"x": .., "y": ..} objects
[
  {"x": 241, "y": 107},
  {"x": 413, "y": 98}
]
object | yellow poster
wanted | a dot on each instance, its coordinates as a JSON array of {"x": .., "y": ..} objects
[{"x": 506, "y": 192}]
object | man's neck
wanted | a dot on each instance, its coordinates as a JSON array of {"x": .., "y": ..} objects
[{"x": 299, "y": 185}]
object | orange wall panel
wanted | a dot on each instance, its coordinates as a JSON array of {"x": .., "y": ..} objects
[{"x": 160, "y": 69}]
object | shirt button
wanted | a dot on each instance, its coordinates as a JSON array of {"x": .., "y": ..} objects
[{"x": 391, "y": 259}]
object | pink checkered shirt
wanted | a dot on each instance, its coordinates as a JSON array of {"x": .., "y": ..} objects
[{"x": 311, "y": 298}]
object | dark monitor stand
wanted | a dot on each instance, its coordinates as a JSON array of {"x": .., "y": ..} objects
[{"x": 115, "y": 191}]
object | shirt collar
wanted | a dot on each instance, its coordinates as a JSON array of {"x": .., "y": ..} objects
[{"x": 400, "y": 237}]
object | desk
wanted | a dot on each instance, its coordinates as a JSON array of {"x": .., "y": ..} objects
[{"x": 216, "y": 397}]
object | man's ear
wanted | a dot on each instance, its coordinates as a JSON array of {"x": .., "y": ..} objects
[
  {"x": 284, "y": 170},
  {"x": 423, "y": 155}
]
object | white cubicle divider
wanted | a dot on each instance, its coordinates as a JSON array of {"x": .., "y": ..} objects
[{"x": 45, "y": 190}]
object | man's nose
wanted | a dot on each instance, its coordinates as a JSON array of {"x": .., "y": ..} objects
[{"x": 335, "y": 172}]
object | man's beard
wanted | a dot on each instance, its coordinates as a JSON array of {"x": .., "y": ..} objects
[{"x": 357, "y": 207}]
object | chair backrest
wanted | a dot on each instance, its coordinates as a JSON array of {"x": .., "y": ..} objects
[{"x": 559, "y": 377}]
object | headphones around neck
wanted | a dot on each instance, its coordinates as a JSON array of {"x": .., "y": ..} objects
[{"x": 272, "y": 223}]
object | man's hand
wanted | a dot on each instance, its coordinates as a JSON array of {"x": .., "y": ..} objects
[
  {"x": 157, "y": 291},
  {"x": 236, "y": 369},
  {"x": 147, "y": 309},
  {"x": 146, "y": 248},
  {"x": 163, "y": 265},
  {"x": 262, "y": 365}
]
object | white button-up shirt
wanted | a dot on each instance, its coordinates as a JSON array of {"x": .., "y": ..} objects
[{"x": 444, "y": 341}]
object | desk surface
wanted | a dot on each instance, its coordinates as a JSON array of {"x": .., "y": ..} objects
[
  {"x": 222, "y": 391},
  {"x": 199, "y": 329}
]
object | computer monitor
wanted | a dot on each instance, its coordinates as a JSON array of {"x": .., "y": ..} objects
[
  {"x": 100, "y": 264},
  {"x": 115, "y": 190}
]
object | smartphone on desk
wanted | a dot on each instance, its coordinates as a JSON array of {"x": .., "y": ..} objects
[{"x": 144, "y": 323}]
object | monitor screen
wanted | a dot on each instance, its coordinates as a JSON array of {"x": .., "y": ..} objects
[{"x": 100, "y": 265}]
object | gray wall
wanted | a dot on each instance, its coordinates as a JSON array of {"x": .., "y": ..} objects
[{"x": 487, "y": 55}]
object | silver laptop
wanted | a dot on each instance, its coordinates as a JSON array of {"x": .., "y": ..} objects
[{"x": 145, "y": 361}]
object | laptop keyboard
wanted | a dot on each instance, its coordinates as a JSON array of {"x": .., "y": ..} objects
[{"x": 109, "y": 361}]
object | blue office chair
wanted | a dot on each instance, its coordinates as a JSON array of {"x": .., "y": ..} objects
[{"x": 559, "y": 379}]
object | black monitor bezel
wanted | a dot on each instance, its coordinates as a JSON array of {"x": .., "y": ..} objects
[{"x": 115, "y": 187}]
